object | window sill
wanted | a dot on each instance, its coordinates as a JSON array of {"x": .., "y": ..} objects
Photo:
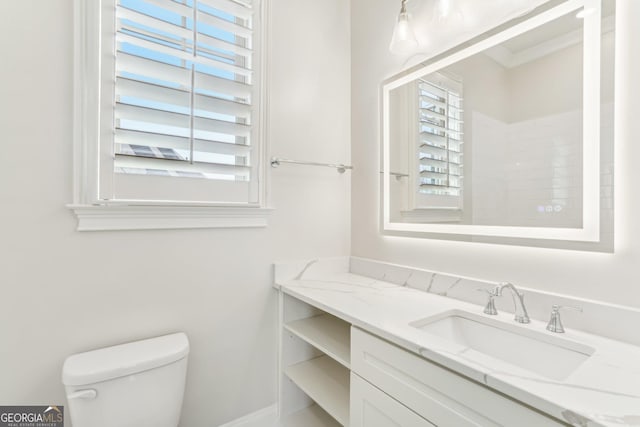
[{"x": 104, "y": 218}]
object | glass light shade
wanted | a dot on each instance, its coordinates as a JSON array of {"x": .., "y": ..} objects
[
  {"x": 403, "y": 40},
  {"x": 448, "y": 12}
]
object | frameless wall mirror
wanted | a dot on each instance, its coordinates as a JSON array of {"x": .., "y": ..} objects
[{"x": 510, "y": 139}]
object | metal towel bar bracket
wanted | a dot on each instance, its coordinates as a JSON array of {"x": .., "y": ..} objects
[
  {"x": 397, "y": 175},
  {"x": 276, "y": 161}
]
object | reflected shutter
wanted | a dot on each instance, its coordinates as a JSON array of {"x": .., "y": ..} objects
[{"x": 440, "y": 142}]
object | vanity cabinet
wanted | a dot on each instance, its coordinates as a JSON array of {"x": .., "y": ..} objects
[
  {"x": 439, "y": 395},
  {"x": 315, "y": 354},
  {"x": 371, "y": 407},
  {"x": 334, "y": 374}
]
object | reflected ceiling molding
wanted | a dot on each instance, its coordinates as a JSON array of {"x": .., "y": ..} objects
[{"x": 510, "y": 59}]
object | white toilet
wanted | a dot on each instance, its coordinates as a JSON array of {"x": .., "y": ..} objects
[{"x": 139, "y": 384}]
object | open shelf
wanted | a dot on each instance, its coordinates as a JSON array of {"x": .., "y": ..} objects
[
  {"x": 326, "y": 382},
  {"x": 313, "y": 416},
  {"x": 327, "y": 333}
]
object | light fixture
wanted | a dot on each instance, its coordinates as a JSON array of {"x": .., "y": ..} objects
[
  {"x": 448, "y": 12},
  {"x": 443, "y": 9},
  {"x": 403, "y": 40}
]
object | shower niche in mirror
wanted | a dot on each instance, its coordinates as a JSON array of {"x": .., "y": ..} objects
[{"x": 510, "y": 139}]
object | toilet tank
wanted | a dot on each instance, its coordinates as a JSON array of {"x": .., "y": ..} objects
[{"x": 138, "y": 384}]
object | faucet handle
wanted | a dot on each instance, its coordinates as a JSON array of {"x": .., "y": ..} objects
[
  {"x": 490, "y": 308},
  {"x": 555, "y": 322}
]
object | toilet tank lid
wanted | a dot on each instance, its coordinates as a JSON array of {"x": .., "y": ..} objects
[{"x": 124, "y": 359}]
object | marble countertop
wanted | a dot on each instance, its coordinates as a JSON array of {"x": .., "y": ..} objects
[{"x": 603, "y": 391}]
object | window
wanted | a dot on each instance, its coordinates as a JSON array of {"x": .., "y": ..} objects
[
  {"x": 438, "y": 156},
  {"x": 176, "y": 90}
]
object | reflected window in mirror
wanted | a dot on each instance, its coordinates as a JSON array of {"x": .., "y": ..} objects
[
  {"x": 512, "y": 137},
  {"x": 439, "y": 145}
]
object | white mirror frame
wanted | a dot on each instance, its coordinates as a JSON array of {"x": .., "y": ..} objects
[{"x": 590, "y": 231}]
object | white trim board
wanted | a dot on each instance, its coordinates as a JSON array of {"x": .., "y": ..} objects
[
  {"x": 104, "y": 218},
  {"x": 265, "y": 417}
]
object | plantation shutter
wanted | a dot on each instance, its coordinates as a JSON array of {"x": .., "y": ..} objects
[
  {"x": 440, "y": 142},
  {"x": 185, "y": 97}
]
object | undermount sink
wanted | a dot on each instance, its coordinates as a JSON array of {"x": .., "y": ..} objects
[{"x": 549, "y": 356}]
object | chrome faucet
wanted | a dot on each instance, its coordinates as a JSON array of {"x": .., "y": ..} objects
[{"x": 518, "y": 300}]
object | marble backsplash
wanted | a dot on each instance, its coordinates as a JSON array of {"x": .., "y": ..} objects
[{"x": 608, "y": 320}]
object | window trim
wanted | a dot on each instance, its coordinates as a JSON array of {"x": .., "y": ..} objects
[
  {"x": 157, "y": 217},
  {"x": 95, "y": 214}
]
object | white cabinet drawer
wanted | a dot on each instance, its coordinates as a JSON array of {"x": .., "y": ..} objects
[
  {"x": 433, "y": 392},
  {"x": 371, "y": 407}
]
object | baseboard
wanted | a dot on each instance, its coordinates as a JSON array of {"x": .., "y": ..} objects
[{"x": 265, "y": 417}]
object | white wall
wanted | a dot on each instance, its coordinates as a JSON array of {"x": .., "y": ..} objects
[
  {"x": 63, "y": 291},
  {"x": 607, "y": 277},
  {"x": 485, "y": 93}
]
